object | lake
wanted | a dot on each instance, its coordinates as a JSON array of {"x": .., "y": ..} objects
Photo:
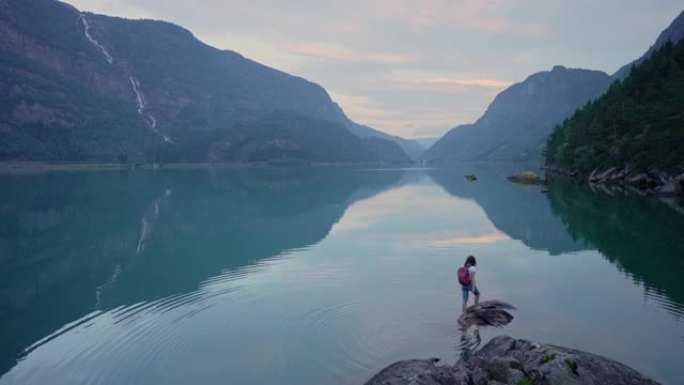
[{"x": 320, "y": 275}]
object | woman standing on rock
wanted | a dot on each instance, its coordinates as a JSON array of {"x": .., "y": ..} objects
[{"x": 466, "y": 277}]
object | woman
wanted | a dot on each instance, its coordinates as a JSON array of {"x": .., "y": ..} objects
[{"x": 466, "y": 277}]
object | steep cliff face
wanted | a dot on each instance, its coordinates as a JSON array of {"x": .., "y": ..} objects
[
  {"x": 80, "y": 86},
  {"x": 517, "y": 123}
]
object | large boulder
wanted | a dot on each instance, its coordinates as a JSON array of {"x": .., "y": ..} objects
[{"x": 505, "y": 360}]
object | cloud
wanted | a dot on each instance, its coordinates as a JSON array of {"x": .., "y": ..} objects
[
  {"x": 488, "y": 17},
  {"x": 450, "y": 85},
  {"x": 407, "y": 121},
  {"x": 502, "y": 26},
  {"x": 331, "y": 52}
]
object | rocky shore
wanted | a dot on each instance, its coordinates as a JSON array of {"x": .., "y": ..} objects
[
  {"x": 654, "y": 183},
  {"x": 505, "y": 360}
]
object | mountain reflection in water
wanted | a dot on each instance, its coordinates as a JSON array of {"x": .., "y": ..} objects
[
  {"x": 642, "y": 236},
  {"x": 73, "y": 243},
  {"x": 320, "y": 275}
]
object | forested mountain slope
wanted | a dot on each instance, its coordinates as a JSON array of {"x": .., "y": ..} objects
[{"x": 639, "y": 122}]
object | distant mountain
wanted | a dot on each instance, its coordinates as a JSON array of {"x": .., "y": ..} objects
[
  {"x": 517, "y": 123},
  {"x": 638, "y": 123},
  {"x": 411, "y": 148},
  {"x": 426, "y": 142},
  {"x": 84, "y": 87},
  {"x": 674, "y": 33}
]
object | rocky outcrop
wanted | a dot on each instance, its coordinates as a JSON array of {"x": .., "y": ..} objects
[
  {"x": 652, "y": 182},
  {"x": 505, "y": 360}
]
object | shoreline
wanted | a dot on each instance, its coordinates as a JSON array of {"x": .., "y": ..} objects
[
  {"x": 652, "y": 183},
  {"x": 31, "y": 167}
]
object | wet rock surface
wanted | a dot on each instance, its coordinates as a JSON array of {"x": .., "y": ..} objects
[
  {"x": 488, "y": 313},
  {"x": 506, "y": 360}
]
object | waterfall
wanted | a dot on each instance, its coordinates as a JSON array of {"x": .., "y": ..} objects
[
  {"x": 135, "y": 84},
  {"x": 96, "y": 43},
  {"x": 142, "y": 109},
  {"x": 138, "y": 95}
]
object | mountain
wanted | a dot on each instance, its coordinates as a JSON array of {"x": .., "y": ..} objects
[
  {"x": 673, "y": 33},
  {"x": 426, "y": 142},
  {"x": 412, "y": 149},
  {"x": 83, "y": 87},
  {"x": 517, "y": 123},
  {"x": 638, "y": 123},
  {"x": 521, "y": 118}
]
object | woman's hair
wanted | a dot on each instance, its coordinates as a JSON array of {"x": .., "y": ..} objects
[{"x": 470, "y": 261}]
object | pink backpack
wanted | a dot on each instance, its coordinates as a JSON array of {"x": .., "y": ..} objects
[{"x": 464, "y": 276}]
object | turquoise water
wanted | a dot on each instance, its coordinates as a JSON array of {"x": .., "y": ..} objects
[{"x": 320, "y": 276}]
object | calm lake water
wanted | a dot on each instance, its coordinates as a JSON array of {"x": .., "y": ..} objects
[{"x": 320, "y": 276}]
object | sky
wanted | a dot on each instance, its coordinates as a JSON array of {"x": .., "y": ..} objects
[{"x": 415, "y": 68}]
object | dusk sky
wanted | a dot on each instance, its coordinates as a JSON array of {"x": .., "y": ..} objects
[{"x": 415, "y": 68}]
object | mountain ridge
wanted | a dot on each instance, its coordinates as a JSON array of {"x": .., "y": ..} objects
[
  {"x": 465, "y": 145},
  {"x": 674, "y": 33},
  {"x": 518, "y": 121},
  {"x": 86, "y": 87},
  {"x": 637, "y": 125}
]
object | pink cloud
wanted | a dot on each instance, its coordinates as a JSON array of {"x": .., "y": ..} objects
[
  {"x": 489, "y": 83},
  {"x": 406, "y": 121},
  {"x": 451, "y": 85},
  {"x": 338, "y": 53}
]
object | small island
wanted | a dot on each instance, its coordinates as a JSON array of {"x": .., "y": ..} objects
[{"x": 527, "y": 177}]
